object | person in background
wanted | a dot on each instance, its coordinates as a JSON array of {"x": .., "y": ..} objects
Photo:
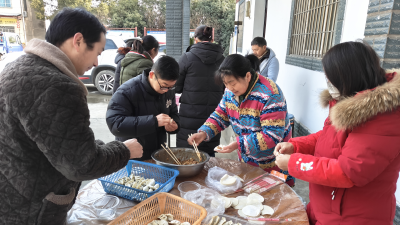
[
  {"x": 139, "y": 58},
  {"x": 254, "y": 61},
  {"x": 269, "y": 66},
  {"x": 255, "y": 108},
  {"x": 46, "y": 145},
  {"x": 145, "y": 108},
  {"x": 200, "y": 93},
  {"x": 122, "y": 51},
  {"x": 353, "y": 163}
]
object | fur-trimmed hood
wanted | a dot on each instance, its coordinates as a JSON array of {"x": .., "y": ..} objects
[{"x": 349, "y": 113}]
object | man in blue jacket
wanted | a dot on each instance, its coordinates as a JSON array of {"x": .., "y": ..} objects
[
  {"x": 144, "y": 107},
  {"x": 269, "y": 66}
]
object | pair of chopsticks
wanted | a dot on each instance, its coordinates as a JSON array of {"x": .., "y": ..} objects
[
  {"x": 171, "y": 153},
  {"x": 196, "y": 149}
]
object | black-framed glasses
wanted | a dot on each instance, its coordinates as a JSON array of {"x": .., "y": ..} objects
[{"x": 161, "y": 87}]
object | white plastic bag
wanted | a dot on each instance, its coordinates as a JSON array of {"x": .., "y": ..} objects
[
  {"x": 213, "y": 181},
  {"x": 208, "y": 199}
]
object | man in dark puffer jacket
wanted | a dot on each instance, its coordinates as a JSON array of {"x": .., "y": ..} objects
[
  {"x": 46, "y": 145},
  {"x": 200, "y": 95},
  {"x": 144, "y": 107}
]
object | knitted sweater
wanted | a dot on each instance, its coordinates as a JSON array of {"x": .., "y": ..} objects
[{"x": 259, "y": 122}]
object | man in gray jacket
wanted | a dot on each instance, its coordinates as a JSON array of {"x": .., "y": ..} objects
[
  {"x": 269, "y": 66},
  {"x": 46, "y": 145}
]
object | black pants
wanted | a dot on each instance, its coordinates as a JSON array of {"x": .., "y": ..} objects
[{"x": 211, "y": 154}]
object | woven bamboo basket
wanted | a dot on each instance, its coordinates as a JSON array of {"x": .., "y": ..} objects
[{"x": 162, "y": 203}]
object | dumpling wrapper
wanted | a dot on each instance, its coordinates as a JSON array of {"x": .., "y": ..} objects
[
  {"x": 257, "y": 222},
  {"x": 228, "y": 202},
  {"x": 251, "y": 210},
  {"x": 228, "y": 223},
  {"x": 170, "y": 217},
  {"x": 240, "y": 212},
  {"x": 211, "y": 221},
  {"x": 222, "y": 221},
  {"x": 185, "y": 223},
  {"x": 239, "y": 197},
  {"x": 216, "y": 220},
  {"x": 241, "y": 204},
  {"x": 252, "y": 201},
  {"x": 256, "y": 196},
  {"x": 239, "y": 178},
  {"x": 162, "y": 222},
  {"x": 234, "y": 201},
  {"x": 219, "y": 148},
  {"x": 175, "y": 222},
  {"x": 228, "y": 180},
  {"x": 163, "y": 217},
  {"x": 267, "y": 210},
  {"x": 259, "y": 206}
]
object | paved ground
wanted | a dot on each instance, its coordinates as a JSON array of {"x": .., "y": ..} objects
[{"x": 98, "y": 106}]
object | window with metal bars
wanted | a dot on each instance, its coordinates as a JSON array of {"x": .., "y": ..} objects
[
  {"x": 315, "y": 26},
  {"x": 5, "y": 3}
]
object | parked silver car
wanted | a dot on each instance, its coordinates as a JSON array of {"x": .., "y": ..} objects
[{"x": 102, "y": 76}]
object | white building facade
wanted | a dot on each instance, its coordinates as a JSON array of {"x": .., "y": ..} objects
[
  {"x": 11, "y": 17},
  {"x": 301, "y": 76}
]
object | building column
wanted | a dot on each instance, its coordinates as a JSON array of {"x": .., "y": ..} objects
[
  {"x": 382, "y": 31},
  {"x": 35, "y": 28},
  {"x": 178, "y": 27}
]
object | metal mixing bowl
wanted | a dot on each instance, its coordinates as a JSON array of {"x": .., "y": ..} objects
[{"x": 162, "y": 158}]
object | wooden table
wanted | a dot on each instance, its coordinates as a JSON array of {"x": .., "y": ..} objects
[{"x": 281, "y": 198}]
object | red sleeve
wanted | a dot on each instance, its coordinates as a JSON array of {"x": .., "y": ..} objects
[
  {"x": 365, "y": 155},
  {"x": 305, "y": 144},
  {"x": 318, "y": 170}
]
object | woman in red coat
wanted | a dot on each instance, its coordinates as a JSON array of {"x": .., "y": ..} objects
[{"x": 352, "y": 165}]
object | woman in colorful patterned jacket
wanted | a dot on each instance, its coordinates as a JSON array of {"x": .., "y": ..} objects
[
  {"x": 256, "y": 109},
  {"x": 353, "y": 163}
]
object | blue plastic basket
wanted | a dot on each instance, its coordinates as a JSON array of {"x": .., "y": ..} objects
[{"x": 163, "y": 176}]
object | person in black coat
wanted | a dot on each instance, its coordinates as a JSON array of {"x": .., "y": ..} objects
[
  {"x": 144, "y": 107},
  {"x": 122, "y": 51},
  {"x": 200, "y": 94}
]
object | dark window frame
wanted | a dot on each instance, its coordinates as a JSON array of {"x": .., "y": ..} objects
[{"x": 314, "y": 63}]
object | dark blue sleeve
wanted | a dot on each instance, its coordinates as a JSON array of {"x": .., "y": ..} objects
[{"x": 122, "y": 122}]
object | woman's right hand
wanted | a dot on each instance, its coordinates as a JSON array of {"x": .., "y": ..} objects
[
  {"x": 163, "y": 119},
  {"x": 134, "y": 147},
  {"x": 284, "y": 148},
  {"x": 197, "y": 137}
]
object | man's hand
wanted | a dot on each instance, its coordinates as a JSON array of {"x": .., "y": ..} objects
[
  {"x": 197, "y": 137},
  {"x": 282, "y": 161},
  {"x": 284, "y": 148},
  {"x": 172, "y": 126},
  {"x": 134, "y": 147},
  {"x": 229, "y": 148},
  {"x": 163, "y": 119}
]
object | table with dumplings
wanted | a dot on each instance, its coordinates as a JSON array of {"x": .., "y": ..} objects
[{"x": 286, "y": 204}]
